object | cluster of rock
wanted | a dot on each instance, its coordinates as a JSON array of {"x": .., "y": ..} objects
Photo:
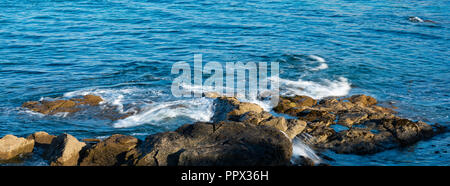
[
  {"x": 368, "y": 128},
  {"x": 240, "y": 134}
]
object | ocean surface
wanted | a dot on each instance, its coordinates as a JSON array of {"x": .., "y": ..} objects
[{"x": 123, "y": 50}]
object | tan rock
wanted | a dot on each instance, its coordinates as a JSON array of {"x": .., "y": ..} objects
[
  {"x": 41, "y": 138},
  {"x": 12, "y": 146}
]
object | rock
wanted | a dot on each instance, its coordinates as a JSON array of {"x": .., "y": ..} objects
[
  {"x": 57, "y": 106},
  {"x": 406, "y": 131},
  {"x": 297, "y": 102},
  {"x": 12, "y": 146},
  {"x": 110, "y": 152},
  {"x": 295, "y": 127},
  {"x": 313, "y": 115},
  {"x": 277, "y": 122},
  {"x": 231, "y": 109},
  {"x": 91, "y": 100},
  {"x": 64, "y": 151},
  {"x": 220, "y": 144},
  {"x": 361, "y": 141},
  {"x": 362, "y": 100},
  {"x": 41, "y": 138},
  {"x": 303, "y": 161},
  {"x": 211, "y": 94},
  {"x": 254, "y": 117},
  {"x": 349, "y": 118}
]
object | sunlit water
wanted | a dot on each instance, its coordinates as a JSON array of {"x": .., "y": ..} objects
[{"x": 124, "y": 50}]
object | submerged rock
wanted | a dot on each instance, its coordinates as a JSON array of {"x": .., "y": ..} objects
[
  {"x": 64, "y": 151},
  {"x": 220, "y": 144},
  {"x": 110, "y": 152},
  {"x": 12, "y": 146}
]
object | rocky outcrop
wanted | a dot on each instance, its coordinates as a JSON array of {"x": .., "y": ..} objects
[
  {"x": 64, "y": 151},
  {"x": 12, "y": 146},
  {"x": 113, "y": 151},
  {"x": 370, "y": 128},
  {"x": 220, "y": 144}
]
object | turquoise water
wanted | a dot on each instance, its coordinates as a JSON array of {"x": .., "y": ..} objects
[{"x": 124, "y": 50}]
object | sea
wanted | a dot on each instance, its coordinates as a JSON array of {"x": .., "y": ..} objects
[{"x": 124, "y": 50}]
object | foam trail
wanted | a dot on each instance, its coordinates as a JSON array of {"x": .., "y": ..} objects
[
  {"x": 301, "y": 149},
  {"x": 162, "y": 113}
]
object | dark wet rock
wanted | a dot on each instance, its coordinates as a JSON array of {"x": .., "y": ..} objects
[
  {"x": 231, "y": 109},
  {"x": 112, "y": 151},
  {"x": 64, "y": 151},
  {"x": 362, "y": 100},
  {"x": 12, "y": 146},
  {"x": 41, "y": 138},
  {"x": 349, "y": 118},
  {"x": 220, "y": 144}
]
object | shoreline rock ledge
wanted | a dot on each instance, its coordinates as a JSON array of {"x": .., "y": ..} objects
[{"x": 240, "y": 134}]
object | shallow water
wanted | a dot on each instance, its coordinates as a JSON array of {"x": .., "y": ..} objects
[{"x": 123, "y": 50}]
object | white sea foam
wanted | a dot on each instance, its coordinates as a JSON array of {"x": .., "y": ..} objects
[
  {"x": 198, "y": 109},
  {"x": 316, "y": 90},
  {"x": 301, "y": 149},
  {"x": 321, "y": 61}
]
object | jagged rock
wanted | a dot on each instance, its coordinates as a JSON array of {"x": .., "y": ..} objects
[
  {"x": 320, "y": 134},
  {"x": 406, "y": 131},
  {"x": 41, "y": 138},
  {"x": 254, "y": 118},
  {"x": 361, "y": 141},
  {"x": 220, "y": 144},
  {"x": 64, "y": 151},
  {"x": 297, "y": 102},
  {"x": 362, "y": 100},
  {"x": 12, "y": 146},
  {"x": 313, "y": 115},
  {"x": 349, "y": 118},
  {"x": 109, "y": 152},
  {"x": 279, "y": 123},
  {"x": 230, "y": 109},
  {"x": 295, "y": 127}
]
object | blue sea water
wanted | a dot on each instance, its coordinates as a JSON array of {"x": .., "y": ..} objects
[{"x": 123, "y": 50}]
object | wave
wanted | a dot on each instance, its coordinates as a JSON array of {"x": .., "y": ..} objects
[
  {"x": 317, "y": 90},
  {"x": 170, "y": 113},
  {"x": 300, "y": 149}
]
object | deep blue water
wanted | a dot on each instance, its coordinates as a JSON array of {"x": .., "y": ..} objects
[{"x": 123, "y": 50}]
